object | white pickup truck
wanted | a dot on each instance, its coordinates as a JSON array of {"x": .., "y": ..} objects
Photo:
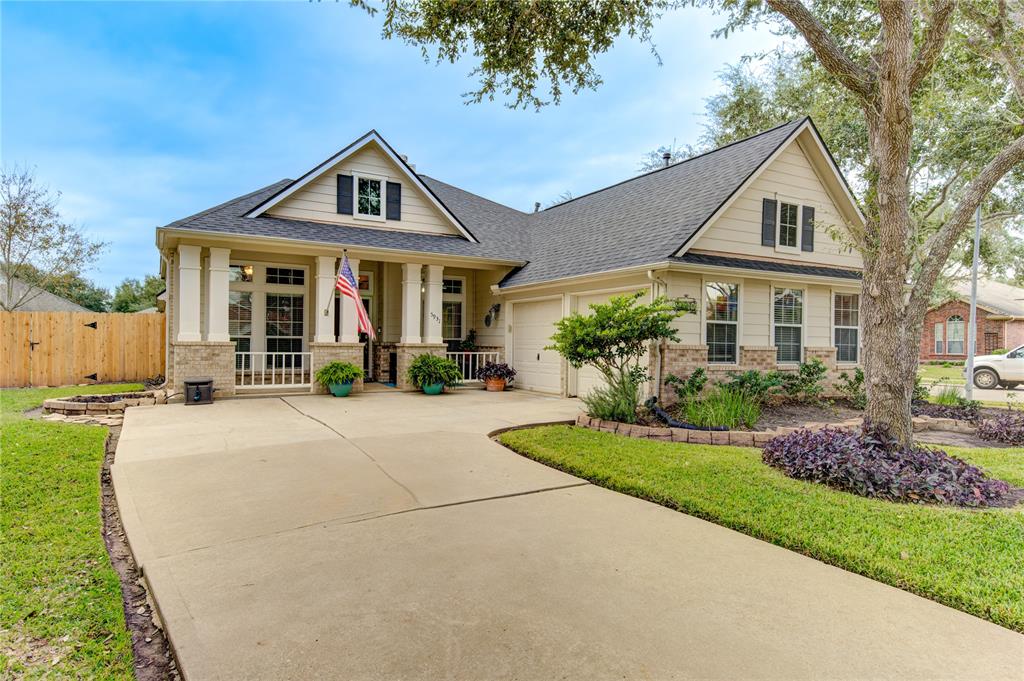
[{"x": 993, "y": 371}]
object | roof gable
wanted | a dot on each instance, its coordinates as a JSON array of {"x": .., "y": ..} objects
[{"x": 308, "y": 191}]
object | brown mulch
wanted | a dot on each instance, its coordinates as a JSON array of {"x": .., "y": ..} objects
[
  {"x": 795, "y": 415},
  {"x": 154, "y": 660}
]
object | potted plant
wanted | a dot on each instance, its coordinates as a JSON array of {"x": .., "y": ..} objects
[
  {"x": 338, "y": 377},
  {"x": 496, "y": 375},
  {"x": 433, "y": 374}
]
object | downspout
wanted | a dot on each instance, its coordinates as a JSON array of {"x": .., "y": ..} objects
[
  {"x": 167, "y": 316},
  {"x": 659, "y": 358}
]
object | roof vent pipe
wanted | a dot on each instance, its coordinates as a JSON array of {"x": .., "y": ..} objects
[
  {"x": 667, "y": 157},
  {"x": 536, "y": 206}
]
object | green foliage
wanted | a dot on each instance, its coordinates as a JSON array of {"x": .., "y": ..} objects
[
  {"x": 806, "y": 383},
  {"x": 689, "y": 387},
  {"x": 852, "y": 388},
  {"x": 920, "y": 393},
  {"x": 966, "y": 559},
  {"x": 70, "y": 285},
  {"x": 756, "y": 385},
  {"x": 999, "y": 351},
  {"x": 729, "y": 407},
  {"x": 431, "y": 370},
  {"x": 338, "y": 372},
  {"x": 613, "y": 337},
  {"x": 948, "y": 397},
  {"x": 618, "y": 400},
  {"x": 131, "y": 295}
]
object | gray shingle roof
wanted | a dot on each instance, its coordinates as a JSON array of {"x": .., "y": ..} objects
[
  {"x": 642, "y": 220},
  {"x": 35, "y": 299},
  {"x": 996, "y": 296},
  {"x": 765, "y": 265}
]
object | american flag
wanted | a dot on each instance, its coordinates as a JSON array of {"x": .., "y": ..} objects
[{"x": 349, "y": 288}]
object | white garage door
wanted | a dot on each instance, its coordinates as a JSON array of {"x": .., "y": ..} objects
[
  {"x": 588, "y": 378},
  {"x": 532, "y": 326}
]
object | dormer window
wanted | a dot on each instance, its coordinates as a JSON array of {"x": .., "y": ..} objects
[
  {"x": 789, "y": 230},
  {"x": 370, "y": 197},
  {"x": 786, "y": 225}
]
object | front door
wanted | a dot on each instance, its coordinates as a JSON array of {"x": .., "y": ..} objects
[{"x": 367, "y": 343}]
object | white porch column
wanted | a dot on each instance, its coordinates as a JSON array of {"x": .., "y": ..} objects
[
  {"x": 217, "y": 295},
  {"x": 349, "y": 327},
  {"x": 432, "y": 323},
  {"x": 411, "y": 273},
  {"x": 324, "y": 292},
  {"x": 189, "y": 270}
]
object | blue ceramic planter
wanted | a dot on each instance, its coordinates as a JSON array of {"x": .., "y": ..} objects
[
  {"x": 341, "y": 389},
  {"x": 434, "y": 389}
]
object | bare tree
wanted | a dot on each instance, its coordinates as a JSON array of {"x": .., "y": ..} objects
[{"x": 36, "y": 245}]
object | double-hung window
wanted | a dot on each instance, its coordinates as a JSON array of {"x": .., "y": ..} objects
[
  {"x": 789, "y": 225},
  {"x": 846, "y": 322},
  {"x": 240, "y": 325},
  {"x": 721, "y": 312},
  {"x": 955, "y": 335},
  {"x": 940, "y": 337},
  {"x": 369, "y": 197},
  {"x": 788, "y": 320},
  {"x": 453, "y": 299}
]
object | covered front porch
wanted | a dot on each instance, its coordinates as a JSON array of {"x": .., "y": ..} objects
[{"x": 259, "y": 321}]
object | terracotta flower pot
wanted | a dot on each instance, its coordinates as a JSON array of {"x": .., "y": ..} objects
[{"x": 494, "y": 385}]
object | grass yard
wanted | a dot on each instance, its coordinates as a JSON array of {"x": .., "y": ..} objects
[
  {"x": 936, "y": 373},
  {"x": 969, "y": 560},
  {"x": 60, "y": 599}
]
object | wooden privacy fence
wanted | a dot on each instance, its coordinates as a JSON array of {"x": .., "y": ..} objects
[{"x": 62, "y": 348}]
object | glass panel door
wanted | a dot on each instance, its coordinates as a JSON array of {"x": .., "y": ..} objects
[{"x": 284, "y": 328}]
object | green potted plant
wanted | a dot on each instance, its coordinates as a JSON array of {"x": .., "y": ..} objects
[
  {"x": 496, "y": 375},
  {"x": 338, "y": 377},
  {"x": 433, "y": 374}
]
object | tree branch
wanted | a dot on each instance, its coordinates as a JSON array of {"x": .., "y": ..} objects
[
  {"x": 942, "y": 242},
  {"x": 932, "y": 42},
  {"x": 943, "y": 194},
  {"x": 854, "y": 77}
]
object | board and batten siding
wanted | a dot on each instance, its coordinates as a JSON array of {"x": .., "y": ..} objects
[
  {"x": 789, "y": 177},
  {"x": 318, "y": 201}
]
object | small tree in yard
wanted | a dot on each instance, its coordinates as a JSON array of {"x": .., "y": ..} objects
[{"x": 612, "y": 339}]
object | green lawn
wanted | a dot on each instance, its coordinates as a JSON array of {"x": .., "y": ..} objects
[
  {"x": 936, "y": 373},
  {"x": 59, "y": 597},
  {"x": 970, "y": 560}
]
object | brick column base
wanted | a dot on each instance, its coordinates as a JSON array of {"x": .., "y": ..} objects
[
  {"x": 407, "y": 352},
  {"x": 196, "y": 359},
  {"x": 325, "y": 353}
]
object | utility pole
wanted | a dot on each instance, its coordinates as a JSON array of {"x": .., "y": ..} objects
[{"x": 972, "y": 329}]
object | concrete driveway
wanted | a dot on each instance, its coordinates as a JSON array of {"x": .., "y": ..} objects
[{"x": 384, "y": 536}]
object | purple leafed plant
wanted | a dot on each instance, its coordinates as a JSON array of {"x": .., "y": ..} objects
[
  {"x": 968, "y": 411},
  {"x": 1007, "y": 428},
  {"x": 870, "y": 463}
]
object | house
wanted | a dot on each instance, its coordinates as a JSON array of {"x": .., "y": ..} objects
[
  {"x": 34, "y": 299},
  {"x": 753, "y": 231},
  {"x": 1000, "y": 322}
]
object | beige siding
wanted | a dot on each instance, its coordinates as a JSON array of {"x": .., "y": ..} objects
[
  {"x": 818, "y": 310},
  {"x": 318, "y": 201},
  {"x": 755, "y": 313},
  {"x": 789, "y": 176},
  {"x": 482, "y": 301},
  {"x": 680, "y": 285}
]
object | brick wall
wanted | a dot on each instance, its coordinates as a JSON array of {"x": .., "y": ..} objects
[
  {"x": 990, "y": 332},
  {"x": 325, "y": 353},
  {"x": 407, "y": 352},
  {"x": 197, "y": 359},
  {"x": 1014, "y": 330}
]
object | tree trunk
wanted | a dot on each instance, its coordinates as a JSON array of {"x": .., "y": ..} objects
[{"x": 891, "y": 345}]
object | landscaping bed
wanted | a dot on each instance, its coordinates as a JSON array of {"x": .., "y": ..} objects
[{"x": 965, "y": 558}]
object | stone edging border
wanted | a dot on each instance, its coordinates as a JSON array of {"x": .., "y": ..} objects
[
  {"x": 746, "y": 438},
  {"x": 69, "y": 408}
]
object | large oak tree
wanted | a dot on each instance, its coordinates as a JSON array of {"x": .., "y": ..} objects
[{"x": 882, "y": 53}]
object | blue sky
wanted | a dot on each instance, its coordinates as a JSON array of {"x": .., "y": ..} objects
[{"x": 143, "y": 113}]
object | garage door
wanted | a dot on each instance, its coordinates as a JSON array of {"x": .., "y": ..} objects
[
  {"x": 588, "y": 378},
  {"x": 532, "y": 326}
]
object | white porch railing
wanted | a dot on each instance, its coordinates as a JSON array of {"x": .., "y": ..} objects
[
  {"x": 471, "y": 362},
  {"x": 273, "y": 369}
]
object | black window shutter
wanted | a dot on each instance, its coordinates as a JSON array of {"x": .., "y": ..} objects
[
  {"x": 807, "y": 243},
  {"x": 768, "y": 222},
  {"x": 394, "y": 207},
  {"x": 345, "y": 194}
]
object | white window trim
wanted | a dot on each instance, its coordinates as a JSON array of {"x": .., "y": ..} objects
[
  {"x": 738, "y": 283},
  {"x": 846, "y": 292},
  {"x": 259, "y": 287},
  {"x": 356, "y": 176},
  {"x": 779, "y": 200},
  {"x": 803, "y": 322},
  {"x": 455, "y": 298}
]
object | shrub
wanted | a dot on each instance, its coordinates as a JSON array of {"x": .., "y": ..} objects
[
  {"x": 431, "y": 370},
  {"x": 727, "y": 407},
  {"x": 1007, "y": 428},
  {"x": 852, "y": 388},
  {"x": 492, "y": 370},
  {"x": 870, "y": 463},
  {"x": 754, "y": 384},
  {"x": 689, "y": 387},
  {"x": 948, "y": 397},
  {"x": 338, "y": 372},
  {"x": 618, "y": 400},
  {"x": 920, "y": 390},
  {"x": 968, "y": 410},
  {"x": 999, "y": 351},
  {"x": 806, "y": 383}
]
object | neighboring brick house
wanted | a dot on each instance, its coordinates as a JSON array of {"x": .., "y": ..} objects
[{"x": 1000, "y": 322}]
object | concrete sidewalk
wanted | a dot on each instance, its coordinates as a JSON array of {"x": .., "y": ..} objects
[{"x": 385, "y": 536}]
